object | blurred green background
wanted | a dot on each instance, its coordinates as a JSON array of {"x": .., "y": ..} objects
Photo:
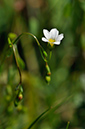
[{"x": 67, "y": 64}]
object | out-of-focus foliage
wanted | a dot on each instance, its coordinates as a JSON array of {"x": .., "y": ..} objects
[{"x": 67, "y": 64}]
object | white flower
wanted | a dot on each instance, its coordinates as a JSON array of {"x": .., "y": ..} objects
[{"x": 52, "y": 37}]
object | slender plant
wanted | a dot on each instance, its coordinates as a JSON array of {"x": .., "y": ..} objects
[{"x": 51, "y": 38}]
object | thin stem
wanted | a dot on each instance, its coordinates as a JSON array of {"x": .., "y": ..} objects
[
  {"x": 17, "y": 65},
  {"x": 30, "y": 35},
  {"x": 50, "y": 54},
  {"x": 43, "y": 53},
  {"x": 26, "y": 33}
]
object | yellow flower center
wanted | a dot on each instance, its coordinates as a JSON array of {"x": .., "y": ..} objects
[{"x": 51, "y": 41}]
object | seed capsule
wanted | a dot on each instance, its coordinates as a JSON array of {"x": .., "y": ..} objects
[
  {"x": 45, "y": 54},
  {"x": 20, "y": 96},
  {"x": 48, "y": 79}
]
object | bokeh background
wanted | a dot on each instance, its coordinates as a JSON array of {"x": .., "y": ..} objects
[{"x": 67, "y": 64}]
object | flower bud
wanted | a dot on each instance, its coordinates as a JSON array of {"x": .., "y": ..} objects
[
  {"x": 18, "y": 99},
  {"x": 20, "y": 96},
  {"x": 48, "y": 79},
  {"x": 45, "y": 54}
]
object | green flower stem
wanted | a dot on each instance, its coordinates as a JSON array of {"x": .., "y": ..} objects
[
  {"x": 17, "y": 65},
  {"x": 67, "y": 125},
  {"x": 25, "y": 33},
  {"x": 43, "y": 53},
  {"x": 50, "y": 54},
  {"x": 12, "y": 44}
]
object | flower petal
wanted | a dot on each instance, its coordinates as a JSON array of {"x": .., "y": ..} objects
[
  {"x": 44, "y": 39},
  {"x": 57, "y": 43},
  {"x": 46, "y": 33},
  {"x": 54, "y": 33},
  {"x": 60, "y": 37}
]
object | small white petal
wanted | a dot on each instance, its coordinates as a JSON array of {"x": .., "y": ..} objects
[
  {"x": 60, "y": 37},
  {"x": 44, "y": 39},
  {"x": 57, "y": 43},
  {"x": 54, "y": 33},
  {"x": 46, "y": 33}
]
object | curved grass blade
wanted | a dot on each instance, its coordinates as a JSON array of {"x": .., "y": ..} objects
[
  {"x": 51, "y": 110},
  {"x": 38, "y": 118}
]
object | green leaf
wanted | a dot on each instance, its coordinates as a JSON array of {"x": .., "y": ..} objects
[{"x": 67, "y": 125}]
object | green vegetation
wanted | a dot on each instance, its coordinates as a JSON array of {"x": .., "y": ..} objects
[{"x": 42, "y": 87}]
